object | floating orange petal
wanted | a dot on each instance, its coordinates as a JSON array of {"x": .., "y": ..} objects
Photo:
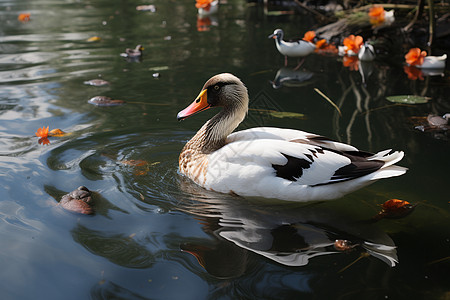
[
  {"x": 353, "y": 43},
  {"x": 309, "y": 36},
  {"x": 415, "y": 57},
  {"x": 94, "y": 39},
  {"x": 42, "y": 132},
  {"x": 394, "y": 208},
  {"x": 321, "y": 44},
  {"x": 394, "y": 204},
  {"x": 24, "y": 17}
]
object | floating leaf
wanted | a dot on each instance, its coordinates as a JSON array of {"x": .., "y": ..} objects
[
  {"x": 56, "y": 132},
  {"x": 408, "y": 99},
  {"x": 94, "y": 39},
  {"x": 394, "y": 209},
  {"x": 42, "y": 132},
  {"x": 25, "y": 17},
  {"x": 105, "y": 101}
]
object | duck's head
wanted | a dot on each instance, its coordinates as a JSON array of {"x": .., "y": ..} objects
[
  {"x": 222, "y": 90},
  {"x": 277, "y": 34}
]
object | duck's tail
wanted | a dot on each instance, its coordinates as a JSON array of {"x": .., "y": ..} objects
[{"x": 388, "y": 169}]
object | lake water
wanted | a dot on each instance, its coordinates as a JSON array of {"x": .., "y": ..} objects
[{"x": 156, "y": 235}]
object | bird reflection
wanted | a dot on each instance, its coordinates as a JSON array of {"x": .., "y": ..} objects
[
  {"x": 287, "y": 234},
  {"x": 291, "y": 78}
]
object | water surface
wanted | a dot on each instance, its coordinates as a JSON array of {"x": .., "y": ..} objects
[{"x": 155, "y": 235}]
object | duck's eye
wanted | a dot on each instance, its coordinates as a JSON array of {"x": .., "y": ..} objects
[{"x": 216, "y": 87}]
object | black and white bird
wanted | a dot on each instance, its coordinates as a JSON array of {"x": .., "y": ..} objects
[
  {"x": 291, "y": 48},
  {"x": 272, "y": 162},
  {"x": 366, "y": 52}
]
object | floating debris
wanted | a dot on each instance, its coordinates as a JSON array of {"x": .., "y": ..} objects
[
  {"x": 25, "y": 17},
  {"x": 43, "y": 133},
  {"x": 156, "y": 75},
  {"x": 105, "y": 101},
  {"x": 96, "y": 82},
  {"x": 150, "y": 8},
  {"x": 394, "y": 209},
  {"x": 432, "y": 122},
  {"x": 78, "y": 201},
  {"x": 94, "y": 39}
]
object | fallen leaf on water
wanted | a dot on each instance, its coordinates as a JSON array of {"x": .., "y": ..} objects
[
  {"x": 105, "y": 101},
  {"x": 394, "y": 209},
  {"x": 94, "y": 39},
  {"x": 42, "y": 132},
  {"x": 25, "y": 17},
  {"x": 56, "y": 132},
  {"x": 408, "y": 99}
]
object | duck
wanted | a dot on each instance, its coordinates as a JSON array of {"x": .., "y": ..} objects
[
  {"x": 269, "y": 162},
  {"x": 366, "y": 52},
  {"x": 433, "y": 62},
  {"x": 418, "y": 58},
  {"x": 135, "y": 53},
  {"x": 291, "y": 48},
  {"x": 207, "y": 7}
]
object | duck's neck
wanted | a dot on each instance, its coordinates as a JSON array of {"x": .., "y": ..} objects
[{"x": 213, "y": 134}]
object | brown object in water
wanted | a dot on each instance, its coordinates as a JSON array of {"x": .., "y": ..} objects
[{"x": 78, "y": 200}]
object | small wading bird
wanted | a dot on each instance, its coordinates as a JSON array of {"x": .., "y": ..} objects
[
  {"x": 272, "y": 162},
  {"x": 292, "y": 48}
]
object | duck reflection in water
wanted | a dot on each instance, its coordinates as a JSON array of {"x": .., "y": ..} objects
[
  {"x": 291, "y": 78},
  {"x": 288, "y": 234}
]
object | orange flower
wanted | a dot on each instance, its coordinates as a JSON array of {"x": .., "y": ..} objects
[
  {"x": 42, "y": 132},
  {"x": 309, "y": 36},
  {"x": 321, "y": 44},
  {"x": 353, "y": 43},
  {"x": 376, "y": 14},
  {"x": 413, "y": 73},
  {"x": 205, "y": 4},
  {"x": 24, "y": 17},
  {"x": 351, "y": 62},
  {"x": 415, "y": 57}
]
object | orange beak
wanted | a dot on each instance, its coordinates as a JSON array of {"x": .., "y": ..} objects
[{"x": 200, "y": 104}]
